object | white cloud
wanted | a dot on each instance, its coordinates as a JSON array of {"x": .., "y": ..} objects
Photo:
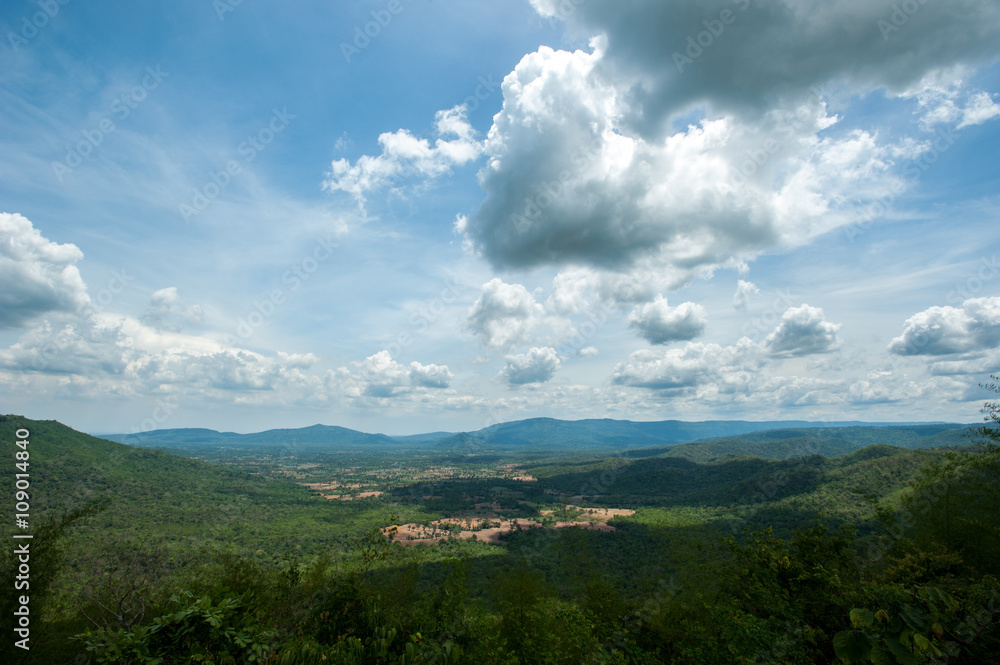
[
  {"x": 972, "y": 328},
  {"x": 122, "y": 351},
  {"x": 379, "y": 376},
  {"x": 945, "y": 98},
  {"x": 403, "y": 154},
  {"x": 979, "y": 364},
  {"x": 573, "y": 288},
  {"x": 744, "y": 290},
  {"x": 226, "y": 370},
  {"x": 803, "y": 331},
  {"x": 981, "y": 108},
  {"x": 565, "y": 186},
  {"x": 91, "y": 346},
  {"x": 504, "y": 314},
  {"x": 430, "y": 376},
  {"x": 568, "y": 292},
  {"x": 709, "y": 374},
  {"x": 884, "y": 387},
  {"x": 538, "y": 365},
  {"x": 726, "y": 369},
  {"x": 588, "y": 352},
  {"x": 104, "y": 354},
  {"x": 647, "y": 277},
  {"x": 798, "y": 391},
  {"x": 38, "y": 276},
  {"x": 166, "y": 312},
  {"x": 658, "y": 323}
]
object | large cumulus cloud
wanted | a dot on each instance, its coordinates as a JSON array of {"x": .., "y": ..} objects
[
  {"x": 621, "y": 157},
  {"x": 658, "y": 323},
  {"x": 38, "y": 276},
  {"x": 694, "y": 366},
  {"x": 803, "y": 331},
  {"x": 954, "y": 340},
  {"x": 564, "y": 185},
  {"x": 122, "y": 355},
  {"x": 380, "y": 376},
  {"x": 796, "y": 44},
  {"x": 538, "y": 365},
  {"x": 504, "y": 314},
  {"x": 125, "y": 349}
]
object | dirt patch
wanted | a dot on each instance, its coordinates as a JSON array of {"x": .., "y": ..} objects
[{"x": 488, "y": 528}]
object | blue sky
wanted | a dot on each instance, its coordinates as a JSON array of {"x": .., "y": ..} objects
[{"x": 256, "y": 215}]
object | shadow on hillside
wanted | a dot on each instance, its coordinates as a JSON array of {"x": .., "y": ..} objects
[
  {"x": 666, "y": 481},
  {"x": 639, "y": 559}
]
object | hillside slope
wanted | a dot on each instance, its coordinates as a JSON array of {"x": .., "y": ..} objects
[
  {"x": 155, "y": 493},
  {"x": 829, "y": 442}
]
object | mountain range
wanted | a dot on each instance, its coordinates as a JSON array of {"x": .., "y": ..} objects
[{"x": 537, "y": 434}]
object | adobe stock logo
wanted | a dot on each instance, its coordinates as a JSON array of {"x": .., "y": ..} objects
[
  {"x": 714, "y": 28},
  {"x": 248, "y": 150},
  {"x": 31, "y": 27},
  {"x": 900, "y": 16},
  {"x": 265, "y": 309},
  {"x": 122, "y": 107}
]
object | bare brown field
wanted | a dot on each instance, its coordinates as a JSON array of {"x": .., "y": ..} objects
[{"x": 488, "y": 527}]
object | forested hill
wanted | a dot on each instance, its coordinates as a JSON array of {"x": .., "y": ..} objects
[
  {"x": 194, "y": 561},
  {"x": 316, "y": 436},
  {"x": 789, "y": 491},
  {"x": 149, "y": 490},
  {"x": 548, "y": 434},
  {"x": 828, "y": 442}
]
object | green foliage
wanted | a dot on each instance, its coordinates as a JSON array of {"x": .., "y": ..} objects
[
  {"x": 374, "y": 545},
  {"x": 954, "y": 502},
  {"x": 198, "y": 631},
  {"x": 233, "y": 561},
  {"x": 827, "y": 441},
  {"x": 916, "y": 631},
  {"x": 989, "y": 434},
  {"x": 47, "y": 558}
]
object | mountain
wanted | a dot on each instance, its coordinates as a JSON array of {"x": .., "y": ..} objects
[
  {"x": 316, "y": 436},
  {"x": 550, "y": 434},
  {"x": 535, "y": 434},
  {"x": 828, "y": 442},
  {"x": 429, "y": 437}
]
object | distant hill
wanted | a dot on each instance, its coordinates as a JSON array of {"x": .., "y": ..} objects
[
  {"x": 535, "y": 434},
  {"x": 316, "y": 436},
  {"x": 607, "y": 434},
  {"x": 828, "y": 442}
]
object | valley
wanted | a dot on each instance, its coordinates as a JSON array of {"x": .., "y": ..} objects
[{"x": 460, "y": 550}]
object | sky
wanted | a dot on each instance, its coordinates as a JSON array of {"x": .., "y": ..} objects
[{"x": 407, "y": 216}]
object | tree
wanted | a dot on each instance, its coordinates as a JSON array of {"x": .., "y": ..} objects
[
  {"x": 47, "y": 558},
  {"x": 990, "y": 436},
  {"x": 122, "y": 583},
  {"x": 954, "y": 500}
]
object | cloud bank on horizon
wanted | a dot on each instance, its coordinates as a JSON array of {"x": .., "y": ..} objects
[{"x": 677, "y": 210}]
